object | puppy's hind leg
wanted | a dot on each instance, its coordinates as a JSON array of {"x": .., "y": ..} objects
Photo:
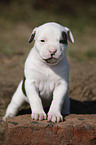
[
  {"x": 66, "y": 106},
  {"x": 17, "y": 100}
]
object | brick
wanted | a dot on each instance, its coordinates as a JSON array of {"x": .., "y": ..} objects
[{"x": 75, "y": 130}]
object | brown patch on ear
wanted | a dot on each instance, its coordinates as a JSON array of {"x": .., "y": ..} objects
[
  {"x": 32, "y": 35},
  {"x": 64, "y": 36},
  {"x": 31, "y": 38}
]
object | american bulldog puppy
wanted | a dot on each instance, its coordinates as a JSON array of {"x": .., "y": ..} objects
[{"x": 46, "y": 75}]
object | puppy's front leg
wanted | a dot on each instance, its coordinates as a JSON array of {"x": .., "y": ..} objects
[
  {"x": 59, "y": 94},
  {"x": 34, "y": 101}
]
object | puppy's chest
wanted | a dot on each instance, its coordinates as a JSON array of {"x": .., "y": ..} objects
[
  {"x": 46, "y": 88},
  {"x": 46, "y": 81}
]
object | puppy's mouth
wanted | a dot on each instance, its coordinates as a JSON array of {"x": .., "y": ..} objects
[{"x": 51, "y": 60}]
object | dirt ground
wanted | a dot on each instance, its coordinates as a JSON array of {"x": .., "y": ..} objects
[{"x": 82, "y": 85}]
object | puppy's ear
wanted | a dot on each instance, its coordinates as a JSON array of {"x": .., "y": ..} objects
[
  {"x": 69, "y": 35},
  {"x": 32, "y": 35}
]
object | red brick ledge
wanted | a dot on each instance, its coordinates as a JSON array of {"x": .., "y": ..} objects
[{"x": 75, "y": 130}]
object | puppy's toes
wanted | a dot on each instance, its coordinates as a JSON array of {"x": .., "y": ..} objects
[
  {"x": 4, "y": 118},
  {"x": 60, "y": 118},
  {"x": 42, "y": 116},
  {"x": 8, "y": 116},
  {"x": 55, "y": 117},
  {"x": 37, "y": 116}
]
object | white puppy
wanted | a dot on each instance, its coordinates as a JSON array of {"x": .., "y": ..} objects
[{"x": 46, "y": 75}]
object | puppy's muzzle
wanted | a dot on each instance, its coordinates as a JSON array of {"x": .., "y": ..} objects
[{"x": 52, "y": 58}]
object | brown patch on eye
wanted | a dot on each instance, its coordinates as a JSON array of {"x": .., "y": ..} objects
[{"x": 64, "y": 38}]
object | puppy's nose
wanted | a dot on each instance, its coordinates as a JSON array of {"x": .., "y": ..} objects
[{"x": 52, "y": 52}]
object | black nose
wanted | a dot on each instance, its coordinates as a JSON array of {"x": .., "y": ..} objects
[{"x": 52, "y": 52}]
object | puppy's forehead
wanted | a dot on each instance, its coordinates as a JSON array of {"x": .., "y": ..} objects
[{"x": 49, "y": 30}]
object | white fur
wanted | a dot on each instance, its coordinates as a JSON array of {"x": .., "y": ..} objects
[{"x": 46, "y": 82}]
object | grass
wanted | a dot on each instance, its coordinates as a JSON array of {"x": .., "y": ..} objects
[
  {"x": 91, "y": 54},
  {"x": 18, "y": 20},
  {"x": 7, "y": 50}
]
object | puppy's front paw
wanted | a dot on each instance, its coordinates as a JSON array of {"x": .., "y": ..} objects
[
  {"x": 55, "y": 117},
  {"x": 38, "y": 116},
  {"x": 4, "y": 118},
  {"x": 7, "y": 116}
]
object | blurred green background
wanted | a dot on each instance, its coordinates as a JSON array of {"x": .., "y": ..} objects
[{"x": 19, "y": 17}]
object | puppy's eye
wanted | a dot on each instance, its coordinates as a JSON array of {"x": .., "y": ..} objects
[
  {"x": 63, "y": 41},
  {"x": 42, "y": 40}
]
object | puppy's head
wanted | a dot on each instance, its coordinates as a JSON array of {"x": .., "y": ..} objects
[{"x": 51, "y": 41}]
